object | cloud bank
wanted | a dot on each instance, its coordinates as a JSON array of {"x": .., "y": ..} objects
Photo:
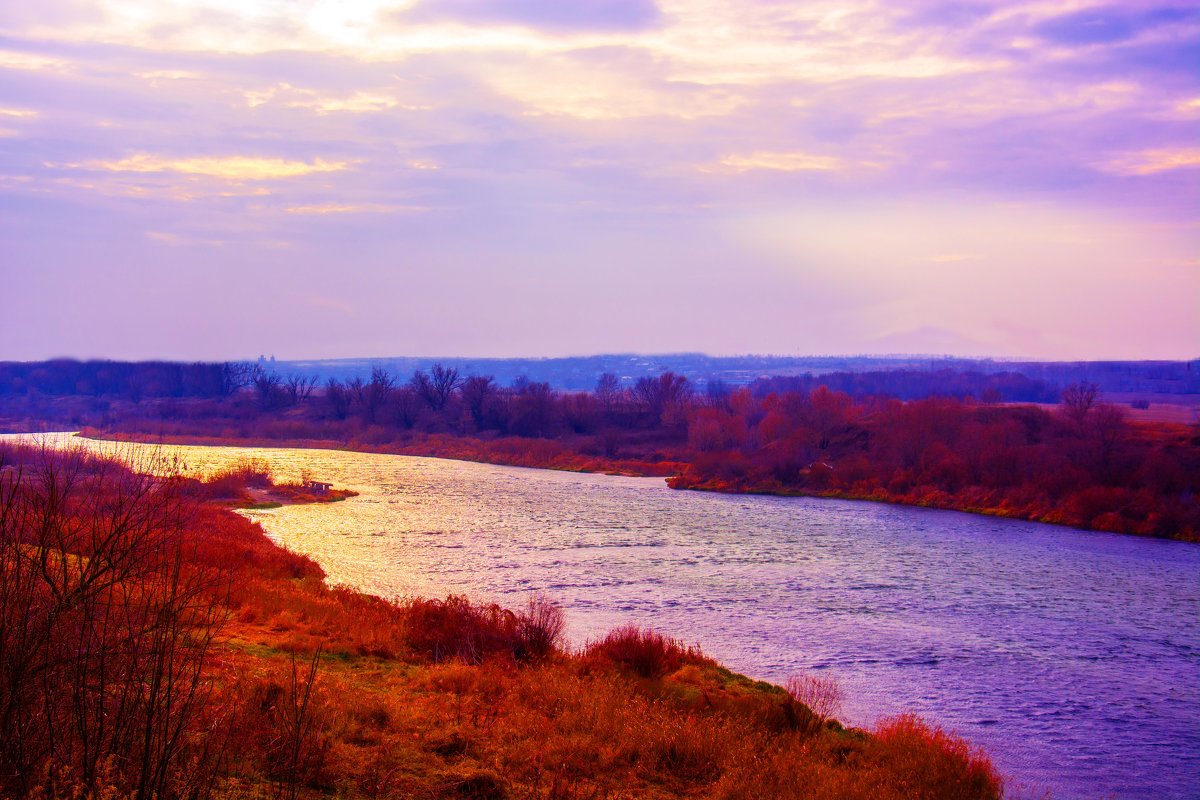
[{"x": 528, "y": 177}]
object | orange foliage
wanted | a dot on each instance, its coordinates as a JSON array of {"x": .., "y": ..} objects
[{"x": 1091, "y": 471}]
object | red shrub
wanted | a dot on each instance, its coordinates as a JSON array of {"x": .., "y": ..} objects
[
  {"x": 456, "y": 628},
  {"x": 646, "y": 652},
  {"x": 932, "y": 764}
]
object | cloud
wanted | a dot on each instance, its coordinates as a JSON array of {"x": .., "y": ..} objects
[
  {"x": 782, "y": 162},
  {"x": 949, "y": 15},
  {"x": 574, "y": 88},
  {"x": 237, "y": 168},
  {"x": 353, "y": 208},
  {"x": 177, "y": 240},
  {"x": 555, "y": 15},
  {"x": 1108, "y": 24},
  {"x": 1150, "y": 162},
  {"x": 554, "y": 130},
  {"x": 155, "y": 75},
  {"x": 359, "y": 102},
  {"x": 11, "y": 59},
  {"x": 954, "y": 258}
]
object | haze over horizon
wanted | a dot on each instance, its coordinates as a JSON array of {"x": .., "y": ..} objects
[{"x": 210, "y": 179}]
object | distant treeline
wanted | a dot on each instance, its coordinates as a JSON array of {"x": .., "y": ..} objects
[
  {"x": 577, "y": 373},
  {"x": 160, "y": 379},
  {"x": 1156, "y": 377},
  {"x": 132, "y": 380},
  {"x": 909, "y": 384}
]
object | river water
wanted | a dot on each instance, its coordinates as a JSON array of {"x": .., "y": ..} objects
[{"x": 1072, "y": 657}]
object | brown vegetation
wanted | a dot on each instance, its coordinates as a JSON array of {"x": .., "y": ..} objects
[{"x": 1084, "y": 465}]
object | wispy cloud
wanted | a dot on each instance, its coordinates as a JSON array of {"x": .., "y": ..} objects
[
  {"x": 237, "y": 168},
  {"x": 178, "y": 240},
  {"x": 11, "y": 59},
  {"x": 359, "y": 102},
  {"x": 354, "y": 208},
  {"x": 782, "y": 162},
  {"x": 1151, "y": 162}
]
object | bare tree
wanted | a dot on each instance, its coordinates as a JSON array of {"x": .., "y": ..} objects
[
  {"x": 477, "y": 393},
  {"x": 437, "y": 387},
  {"x": 608, "y": 393},
  {"x": 268, "y": 386},
  {"x": 300, "y": 387},
  {"x": 337, "y": 397},
  {"x": 445, "y": 382},
  {"x": 106, "y": 619},
  {"x": 717, "y": 394},
  {"x": 533, "y": 410},
  {"x": 1077, "y": 401},
  {"x": 579, "y": 411},
  {"x": 356, "y": 389},
  {"x": 664, "y": 397},
  {"x": 235, "y": 376},
  {"x": 405, "y": 407},
  {"x": 377, "y": 392},
  {"x": 1109, "y": 427}
]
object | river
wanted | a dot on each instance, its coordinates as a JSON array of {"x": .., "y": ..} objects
[{"x": 1073, "y": 657}]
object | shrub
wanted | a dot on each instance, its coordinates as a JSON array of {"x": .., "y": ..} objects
[
  {"x": 646, "y": 652},
  {"x": 821, "y": 694},
  {"x": 232, "y": 480},
  {"x": 540, "y": 628},
  {"x": 456, "y": 628},
  {"x": 934, "y": 764}
]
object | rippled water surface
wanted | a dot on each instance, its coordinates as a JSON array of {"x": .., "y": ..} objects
[{"x": 1073, "y": 657}]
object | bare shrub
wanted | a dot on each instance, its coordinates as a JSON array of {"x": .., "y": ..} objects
[
  {"x": 540, "y": 628},
  {"x": 821, "y": 694}
]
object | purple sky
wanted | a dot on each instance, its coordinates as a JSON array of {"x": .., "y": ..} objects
[{"x": 223, "y": 178}]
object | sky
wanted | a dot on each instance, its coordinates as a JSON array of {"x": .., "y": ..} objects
[{"x": 211, "y": 179}]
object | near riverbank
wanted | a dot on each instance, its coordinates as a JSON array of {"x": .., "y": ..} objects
[{"x": 280, "y": 684}]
